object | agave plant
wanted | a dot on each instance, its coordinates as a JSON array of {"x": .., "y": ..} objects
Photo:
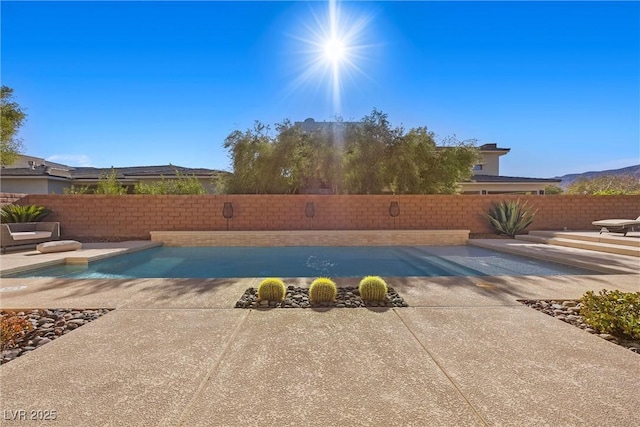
[
  {"x": 18, "y": 213},
  {"x": 510, "y": 217}
]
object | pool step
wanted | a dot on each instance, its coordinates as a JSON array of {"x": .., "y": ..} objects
[
  {"x": 581, "y": 243},
  {"x": 590, "y": 236}
]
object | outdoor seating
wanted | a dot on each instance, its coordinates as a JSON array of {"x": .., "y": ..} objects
[
  {"x": 28, "y": 233},
  {"x": 617, "y": 225}
]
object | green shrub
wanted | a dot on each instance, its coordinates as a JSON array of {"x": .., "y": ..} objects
[
  {"x": 18, "y": 213},
  {"x": 84, "y": 189},
  {"x": 613, "y": 312},
  {"x": 373, "y": 288},
  {"x": 322, "y": 289},
  {"x": 553, "y": 189},
  {"x": 509, "y": 217},
  {"x": 109, "y": 184},
  {"x": 271, "y": 289},
  {"x": 13, "y": 329},
  {"x": 182, "y": 184}
]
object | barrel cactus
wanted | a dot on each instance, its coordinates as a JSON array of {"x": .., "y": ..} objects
[
  {"x": 271, "y": 289},
  {"x": 373, "y": 288},
  {"x": 322, "y": 290}
]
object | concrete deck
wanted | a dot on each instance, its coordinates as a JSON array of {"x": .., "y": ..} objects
[{"x": 465, "y": 352}]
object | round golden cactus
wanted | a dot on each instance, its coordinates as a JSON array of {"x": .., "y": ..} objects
[
  {"x": 373, "y": 288},
  {"x": 322, "y": 289},
  {"x": 272, "y": 289}
]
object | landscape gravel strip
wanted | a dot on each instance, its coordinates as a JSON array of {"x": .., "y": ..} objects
[
  {"x": 298, "y": 297},
  {"x": 48, "y": 324},
  {"x": 569, "y": 311}
]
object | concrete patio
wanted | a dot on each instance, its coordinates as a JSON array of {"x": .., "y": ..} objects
[{"x": 466, "y": 352}]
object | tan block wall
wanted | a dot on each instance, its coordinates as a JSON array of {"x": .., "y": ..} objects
[
  {"x": 312, "y": 238},
  {"x": 134, "y": 216},
  {"x": 10, "y": 198}
]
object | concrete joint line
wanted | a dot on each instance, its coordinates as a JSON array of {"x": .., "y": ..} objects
[
  {"x": 212, "y": 370},
  {"x": 473, "y": 408}
]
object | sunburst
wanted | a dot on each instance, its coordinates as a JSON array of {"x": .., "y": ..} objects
[{"x": 333, "y": 45}]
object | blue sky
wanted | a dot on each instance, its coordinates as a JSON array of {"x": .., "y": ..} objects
[{"x": 149, "y": 83}]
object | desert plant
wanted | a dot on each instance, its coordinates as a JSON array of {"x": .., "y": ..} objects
[
  {"x": 553, "y": 189},
  {"x": 613, "y": 312},
  {"x": 109, "y": 184},
  {"x": 322, "y": 289},
  {"x": 510, "y": 217},
  {"x": 606, "y": 185},
  {"x": 373, "y": 288},
  {"x": 271, "y": 289},
  {"x": 18, "y": 213},
  {"x": 83, "y": 189},
  {"x": 13, "y": 329},
  {"x": 182, "y": 184}
]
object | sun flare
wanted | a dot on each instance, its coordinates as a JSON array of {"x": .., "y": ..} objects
[
  {"x": 334, "y": 50},
  {"x": 332, "y": 47}
]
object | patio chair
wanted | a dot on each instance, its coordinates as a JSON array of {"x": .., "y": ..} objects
[{"x": 617, "y": 225}]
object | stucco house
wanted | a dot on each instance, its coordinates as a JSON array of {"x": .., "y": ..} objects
[{"x": 34, "y": 175}]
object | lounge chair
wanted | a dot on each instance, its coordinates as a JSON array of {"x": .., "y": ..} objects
[
  {"x": 28, "y": 233},
  {"x": 617, "y": 225}
]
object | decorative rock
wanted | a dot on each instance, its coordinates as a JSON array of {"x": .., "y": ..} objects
[
  {"x": 570, "y": 313},
  {"x": 44, "y": 341},
  {"x": 298, "y": 297},
  {"x": 48, "y": 324}
]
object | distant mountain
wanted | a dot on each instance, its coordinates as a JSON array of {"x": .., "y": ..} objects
[{"x": 570, "y": 178}]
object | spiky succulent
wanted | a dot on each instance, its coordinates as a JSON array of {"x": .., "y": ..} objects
[
  {"x": 373, "y": 288},
  {"x": 271, "y": 289},
  {"x": 18, "y": 213},
  {"x": 510, "y": 217},
  {"x": 322, "y": 289}
]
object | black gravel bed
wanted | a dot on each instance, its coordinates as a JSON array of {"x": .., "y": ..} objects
[
  {"x": 569, "y": 311},
  {"x": 48, "y": 324},
  {"x": 297, "y": 297}
]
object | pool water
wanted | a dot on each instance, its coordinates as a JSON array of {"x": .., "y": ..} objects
[{"x": 309, "y": 261}]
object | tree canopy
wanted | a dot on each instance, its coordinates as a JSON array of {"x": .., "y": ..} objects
[
  {"x": 12, "y": 117},
  {"x": 604, "y": 185},
  {"x": 366, "y": 157}
]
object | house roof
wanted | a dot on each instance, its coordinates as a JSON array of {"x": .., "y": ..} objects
[
  {"x": 493, "y": 147},
  {"x": 122, "y": 173},
  {"x": 141, "y": 171},
  {"x": 510, "y": 179}
]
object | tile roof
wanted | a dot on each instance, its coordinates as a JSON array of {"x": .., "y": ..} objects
[
  {"x": 125, "y": 172},
  {"x": 508, "y": 179}
]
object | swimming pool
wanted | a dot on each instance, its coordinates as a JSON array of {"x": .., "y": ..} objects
[{"x": 308, "y": 261}]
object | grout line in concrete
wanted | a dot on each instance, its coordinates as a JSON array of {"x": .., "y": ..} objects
[
  {"x": 473, "y": 408},
  {"x": 211, "y": 371}
]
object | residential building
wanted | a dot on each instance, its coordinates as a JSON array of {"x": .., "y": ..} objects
[{"x": 34, "y": 175}]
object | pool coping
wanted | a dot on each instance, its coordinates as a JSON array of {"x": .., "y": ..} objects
[
  {"x": 313, "y": 238},
  {"x": 22, "y": 262}
]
